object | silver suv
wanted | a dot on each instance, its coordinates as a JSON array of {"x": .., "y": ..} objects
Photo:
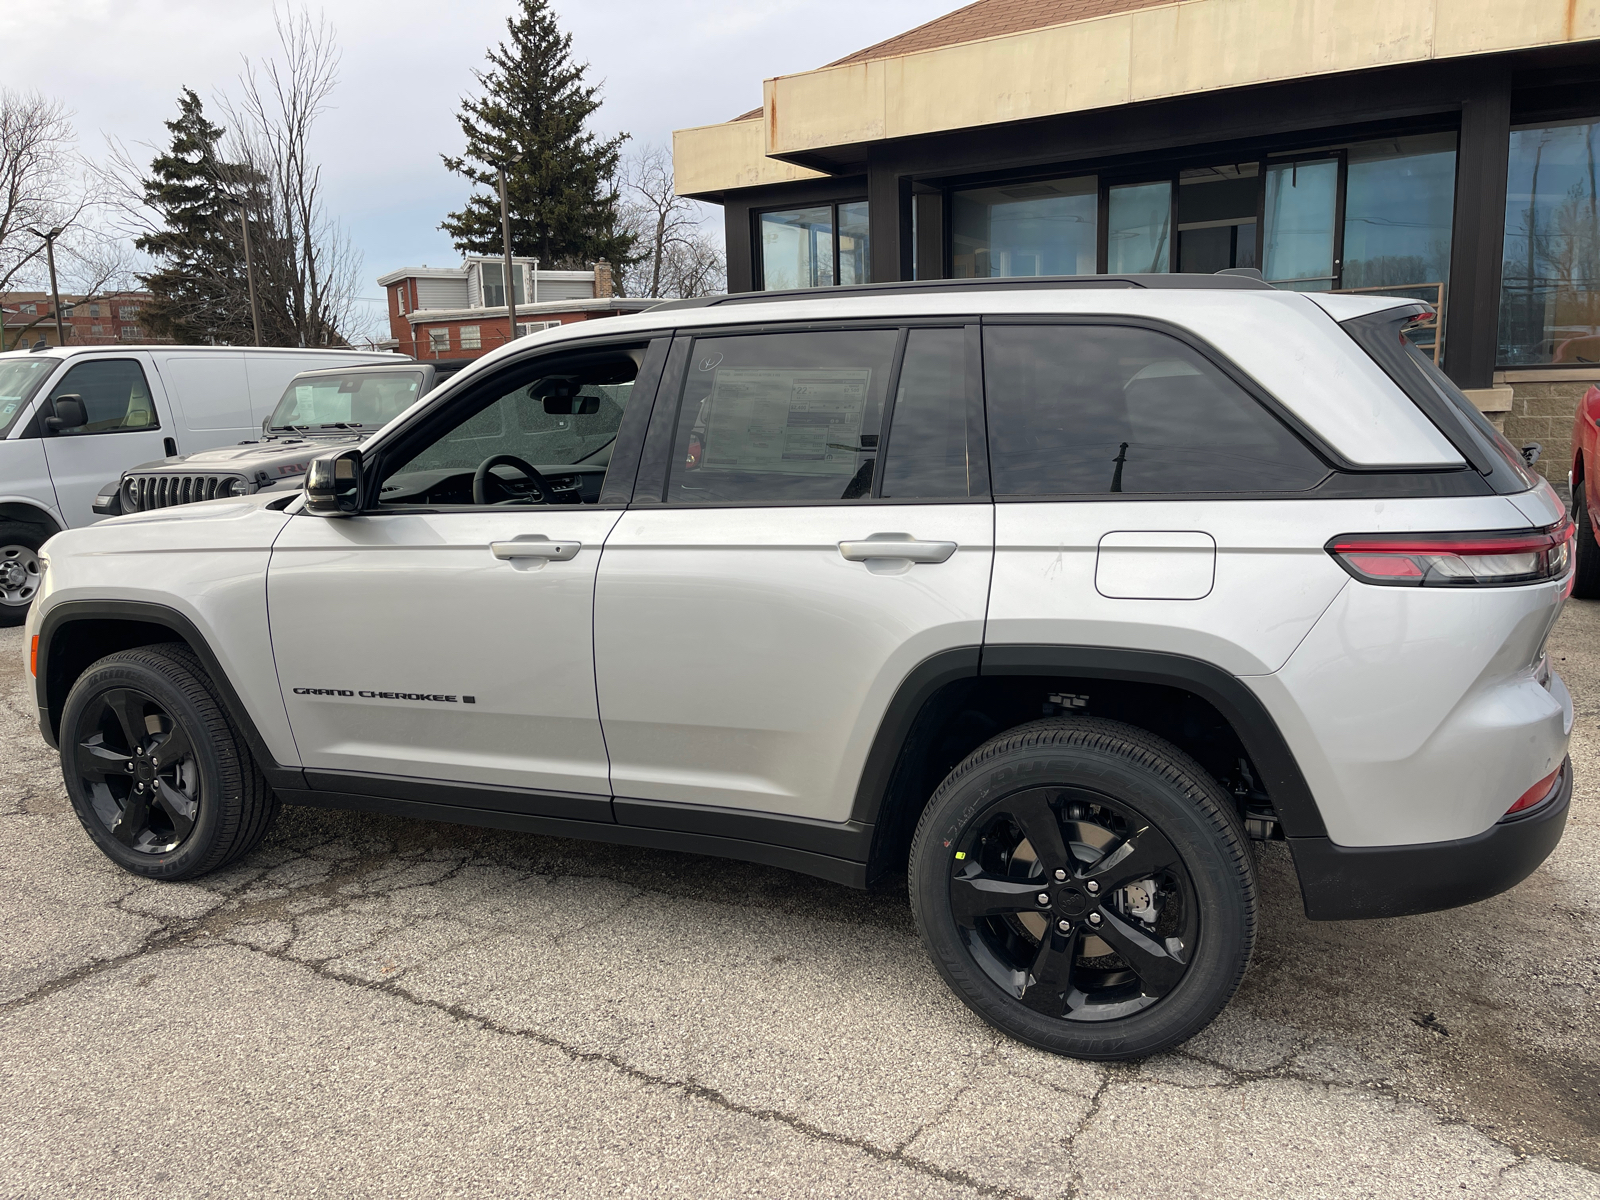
[{"x": 1051, "y": 594}]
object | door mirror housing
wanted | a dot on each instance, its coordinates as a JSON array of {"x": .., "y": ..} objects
[
  {"x": 68, "y": 413},
  {"x": 333, "y": 484}
]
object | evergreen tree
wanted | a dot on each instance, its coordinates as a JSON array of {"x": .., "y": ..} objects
[
  {"x": 560, "y": 192},
  {"x": 200, "y": 256}
]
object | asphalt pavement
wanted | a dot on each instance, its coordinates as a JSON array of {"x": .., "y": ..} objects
[{"x": 370, "y": 1006}]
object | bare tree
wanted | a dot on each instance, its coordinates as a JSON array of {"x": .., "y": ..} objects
[
  {"x": 308, "y": 269},
  {"x": 679, "y": 258},
  {"x": 37, "y": 169}
]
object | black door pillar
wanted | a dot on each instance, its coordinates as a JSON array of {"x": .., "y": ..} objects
[
  {"x": 1472, "y": 309},
  {"x": 738, "y": 234},
  {"x": 889, "y": 222}
]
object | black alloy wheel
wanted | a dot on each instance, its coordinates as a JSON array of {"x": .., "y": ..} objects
[
  {"x": 137, "y": 767},
  {"x": 1074, "y": 904},
  {"x": 1086, "y": 887},
  {"x": 159, "y": 777}
]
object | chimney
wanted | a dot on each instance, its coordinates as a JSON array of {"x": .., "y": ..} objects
[{"x": 602, "y": 280}]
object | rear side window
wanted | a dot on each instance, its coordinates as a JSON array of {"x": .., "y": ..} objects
[
  {"x": 115, "y": 395},
  {"x": 1090, "y": 409},
  {"x": 786, "y": 417}
]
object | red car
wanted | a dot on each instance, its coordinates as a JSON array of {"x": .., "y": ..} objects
[{"x": 1585, "y": 481}]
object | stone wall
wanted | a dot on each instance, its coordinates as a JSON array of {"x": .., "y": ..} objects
[{"x": 1542, "y": 408}]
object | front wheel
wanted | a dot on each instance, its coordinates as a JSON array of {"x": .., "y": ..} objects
[
  {"x": 160, "y": 779},
  {"x": 1085, "y": 887},
  {"x": 20, "y": 575}
]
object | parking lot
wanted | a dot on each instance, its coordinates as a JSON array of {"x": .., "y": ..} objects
[{"x": 374, "y": 1006}]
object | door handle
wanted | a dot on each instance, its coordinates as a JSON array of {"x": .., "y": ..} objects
[
  {"x": 899, "y": 546},
  {"x": 536, "y": 546}
]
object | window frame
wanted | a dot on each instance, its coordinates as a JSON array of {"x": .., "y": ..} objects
[
  {"x": 650, "y": 488},
  {"x": 45, "y": 403},
  {"x": 759, "y": 271},
  {"x": 437, "y": 415}
]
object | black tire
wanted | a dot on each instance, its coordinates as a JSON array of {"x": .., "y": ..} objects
[
  {"x": 201, "y": 807},
  {"x": 20, "y": 576},
  {"x": 1585, "y": 550},
  {"x": 1041, "y": 973}
]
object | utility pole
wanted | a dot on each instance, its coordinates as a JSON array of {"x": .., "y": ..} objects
[
  {"x": 250, "y": 273},
  {"x": 55, "y": 292},
  {"x": 505, "y": 238}
]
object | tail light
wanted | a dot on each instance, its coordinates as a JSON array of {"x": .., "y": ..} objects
[
  {"x": 1538, "y": 793},
  {"x": 1494, "y": 559}
]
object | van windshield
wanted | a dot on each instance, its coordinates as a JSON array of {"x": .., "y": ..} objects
[
  {"x": 19, "y": 379},
  {"x": 368, "y": 399}
]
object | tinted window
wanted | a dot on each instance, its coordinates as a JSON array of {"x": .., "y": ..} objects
[
  {"x": 927, "y": 456},
  {"x": 781, "y": 417},
  {"x": 115, "y": 395},
  {"x": 560, "y": 421},
  {"x": 1082, "y": 409}
]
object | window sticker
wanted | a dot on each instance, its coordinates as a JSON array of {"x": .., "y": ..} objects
[{"x": 799, "y": 422}]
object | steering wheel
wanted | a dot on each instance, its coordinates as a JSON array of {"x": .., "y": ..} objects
[{"x": 480, "y": 478}]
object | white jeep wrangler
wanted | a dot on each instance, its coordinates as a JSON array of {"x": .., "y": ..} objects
[{"x": 1051, "y": 593}]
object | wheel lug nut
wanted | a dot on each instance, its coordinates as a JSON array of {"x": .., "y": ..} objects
[
  {"x": 1061, "y": 876},
  {"x": 1064, "y": 926},
  {"x": 1092, "y": 886},
  {"x": 1044, "y": 898},
  {"x": 1094, "y": 918}
]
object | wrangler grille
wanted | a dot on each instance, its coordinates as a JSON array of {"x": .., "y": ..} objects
[{"x": 140, "y": 493}]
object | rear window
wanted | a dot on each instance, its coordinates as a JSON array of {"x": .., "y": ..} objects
[{"x": 1090, "y": 409}]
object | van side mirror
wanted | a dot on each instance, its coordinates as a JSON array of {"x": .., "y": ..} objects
[
  {"x": 333, "y": 484},
  {"x": 69, "y": 413}
]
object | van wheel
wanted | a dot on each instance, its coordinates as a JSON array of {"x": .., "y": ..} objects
[
  {"x": 1585, "y": 550},
  {"x": 1085, "y": 887},
  {"x": 20, "y": 575},
  {"x": 160, "y": 779}
]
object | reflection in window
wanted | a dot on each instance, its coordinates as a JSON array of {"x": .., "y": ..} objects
[
  {"x": 1044, "y": 228},
  {"x": 1297, "y": 242},
  {"x": 1217, "y": 217},
  {"x": 927, "y": 457},
  {"x": 1550, "y": 279},
  {"x": 1399, "y": 199},
  {"x": 1139, "y": 228},
  {"x": 797, "y": 248}
]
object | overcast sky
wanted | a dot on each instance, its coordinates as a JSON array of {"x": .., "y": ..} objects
[{"x": 664, "y": 64}]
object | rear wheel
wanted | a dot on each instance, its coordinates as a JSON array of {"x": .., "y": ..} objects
[
  {"x": 160, "y": 779},
  {"x": 1585, "y": 550},
  {"x": 20, "y": 575},
  {"x": 1085, "y": 887}
]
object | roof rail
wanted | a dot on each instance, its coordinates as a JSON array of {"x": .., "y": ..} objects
[{"x": 1226, "y": 281}]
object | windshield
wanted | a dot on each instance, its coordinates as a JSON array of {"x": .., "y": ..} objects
[
  {"x": 19, "y": 379},
  {"x": 367, "y": 398}
]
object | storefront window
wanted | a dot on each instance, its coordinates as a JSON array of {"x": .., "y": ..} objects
[
  {"x": 1045, "y": 228},
  {"x": 1550, "y": 278},
  {"x": 1399, "y": 197},
  {"x": 815, "y": 247},
  {"x": 1217, "y": 217},
  {"x": 1297, "y": 243},
  {"x": 1139, "y": 228}
]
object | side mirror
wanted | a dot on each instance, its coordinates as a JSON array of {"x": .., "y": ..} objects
[
  {"x": 571, "y": 406},
  {"x": 69, "y": 414},
  {"x": 333, "y": 484}
]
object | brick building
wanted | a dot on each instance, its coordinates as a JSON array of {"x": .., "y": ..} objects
[
  {"x": 26, "y": 317},
  {"x": 460, "y": 312}
]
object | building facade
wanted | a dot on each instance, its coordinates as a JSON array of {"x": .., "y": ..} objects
[
  {"x": 1441, "y": 149},
  {"x": 28, "y": 317},
  {"x": 461, "y": 312}
]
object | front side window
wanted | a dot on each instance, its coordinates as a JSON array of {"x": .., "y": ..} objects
[
  {"x": 370, "y": 399},
  {"x": 1091, "y": 410},
  {"x": 115, "y": 395},
  {"x": 816, "y": 246},
  {"x": 535, "y": 433},
  {"x": 1550, "y": 280}
]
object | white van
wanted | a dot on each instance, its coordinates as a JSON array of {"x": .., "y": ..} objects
[{"x": 138, "y": 403}]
